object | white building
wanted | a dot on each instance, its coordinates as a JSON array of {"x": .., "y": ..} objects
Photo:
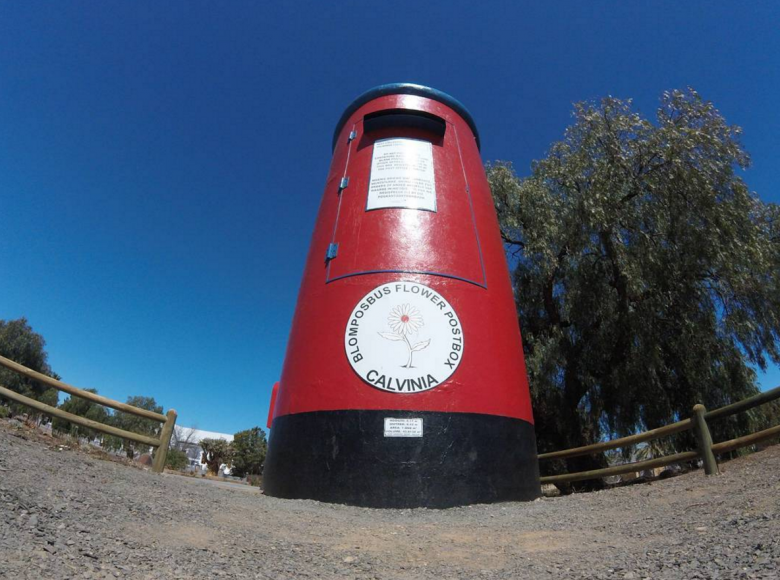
[{"x": 188, "y": 439}]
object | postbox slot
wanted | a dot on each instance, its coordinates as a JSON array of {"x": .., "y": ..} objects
[{"x": 407, "y": 118}]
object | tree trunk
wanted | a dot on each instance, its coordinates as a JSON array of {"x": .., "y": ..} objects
[{"x": 579, "y": 430}]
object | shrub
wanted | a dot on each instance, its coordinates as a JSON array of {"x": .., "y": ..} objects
[{"x": 176, "y": 460}]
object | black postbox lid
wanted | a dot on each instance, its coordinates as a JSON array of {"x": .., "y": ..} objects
[{"x": 406, "y": 89}]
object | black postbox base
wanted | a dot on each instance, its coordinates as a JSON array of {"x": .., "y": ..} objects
[{"x": 344, "y": 457}]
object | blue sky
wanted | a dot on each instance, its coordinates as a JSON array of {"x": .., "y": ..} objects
[{"x": 161, "y": 164}]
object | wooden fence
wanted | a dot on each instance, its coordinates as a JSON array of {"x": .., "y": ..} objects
[
  {"x": 706, "y": 449},
  {"x": 161, "y": 445}
]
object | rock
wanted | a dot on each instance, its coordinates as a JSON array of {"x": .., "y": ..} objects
[{"x": 50, "y": 548}]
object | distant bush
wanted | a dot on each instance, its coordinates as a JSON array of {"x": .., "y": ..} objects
[
  {"x": 83, "y": 408},
  {"x": 176, "y": 460},
  {"x": 135, "y": 424},
  {"x": 255, "y": 480},
  {"x": 4, "y": 412}
]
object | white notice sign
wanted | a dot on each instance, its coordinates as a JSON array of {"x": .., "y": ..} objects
[
  {"x": 403, "y": 427},
  {"x": 402, "y": 175}
]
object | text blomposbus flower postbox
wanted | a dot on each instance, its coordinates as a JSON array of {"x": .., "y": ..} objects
[{"x": 404, "y": 383}]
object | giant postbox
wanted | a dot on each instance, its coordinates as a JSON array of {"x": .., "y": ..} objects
[{"x": 404, "y": 383}]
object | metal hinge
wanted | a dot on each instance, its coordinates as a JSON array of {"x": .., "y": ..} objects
[
  {"x": 344, "y": 183},
  {"x": 333, "y": 251},
  {"x": 352, "y": 134}
]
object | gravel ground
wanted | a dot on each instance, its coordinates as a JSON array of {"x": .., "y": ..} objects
[{"x": 65, "y": 514}]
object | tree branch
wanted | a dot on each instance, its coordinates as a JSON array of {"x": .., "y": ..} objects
[{"x": 508, "y": 240}]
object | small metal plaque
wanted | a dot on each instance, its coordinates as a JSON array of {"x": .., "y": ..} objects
[{"x": 403, "y": 427}]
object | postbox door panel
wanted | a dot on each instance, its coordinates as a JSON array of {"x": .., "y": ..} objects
[{"x": 433, "y": 231}]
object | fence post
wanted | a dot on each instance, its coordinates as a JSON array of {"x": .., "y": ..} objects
[
  {"x": 165, "y": 441},
  {"x": 704, "y": 440}
]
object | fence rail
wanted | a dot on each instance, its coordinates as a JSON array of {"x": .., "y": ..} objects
[
  {"x": 622, "y": 469},
  {"x": 622, "y": 442},
  {"x": 71, "y": 390},
  {"x": 745, "y": 404},
  {"x": 160, "y": 444},
  {"x": 706, "y": 449}
]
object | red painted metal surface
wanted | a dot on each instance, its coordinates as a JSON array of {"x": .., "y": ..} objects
[
  {"x": 272, "y": 406},
  {"x": 456, "y": 251}
]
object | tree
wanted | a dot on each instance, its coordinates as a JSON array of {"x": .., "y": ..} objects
[
  {"x": 20, "y": 343},
  {"x": 184, "y": 438},
  {"x": 135, "y": 424},
  {"x": 249, "y": 451},
  {"x": 215, "y": 453},
  {"x": 82, "y": 408},
  {"x": 647, "y": 275}
]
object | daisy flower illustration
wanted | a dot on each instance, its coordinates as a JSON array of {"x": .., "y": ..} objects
[{"x": 403, "y": 321}]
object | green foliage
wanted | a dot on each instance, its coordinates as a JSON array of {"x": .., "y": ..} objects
[
  {"x": 249, "y": 451},
  {"x": 135, "y": 424},
  {"x": 82, "y": 408},
  {"x": 4, "y": 412},
  {"x": 20, "y": 343},
  {"x": 647, "y": 275},
  {"x": 215, "y": 453},
  {"x": 176, "y": 459}
]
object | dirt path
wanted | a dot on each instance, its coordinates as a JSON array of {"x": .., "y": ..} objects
[{"x": 67, "y": 515}]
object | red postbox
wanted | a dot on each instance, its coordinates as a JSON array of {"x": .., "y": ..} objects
[{"x": 404, "y": 383}]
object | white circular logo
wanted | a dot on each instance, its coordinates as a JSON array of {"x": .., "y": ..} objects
[{"x": 403, "y": 337}]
